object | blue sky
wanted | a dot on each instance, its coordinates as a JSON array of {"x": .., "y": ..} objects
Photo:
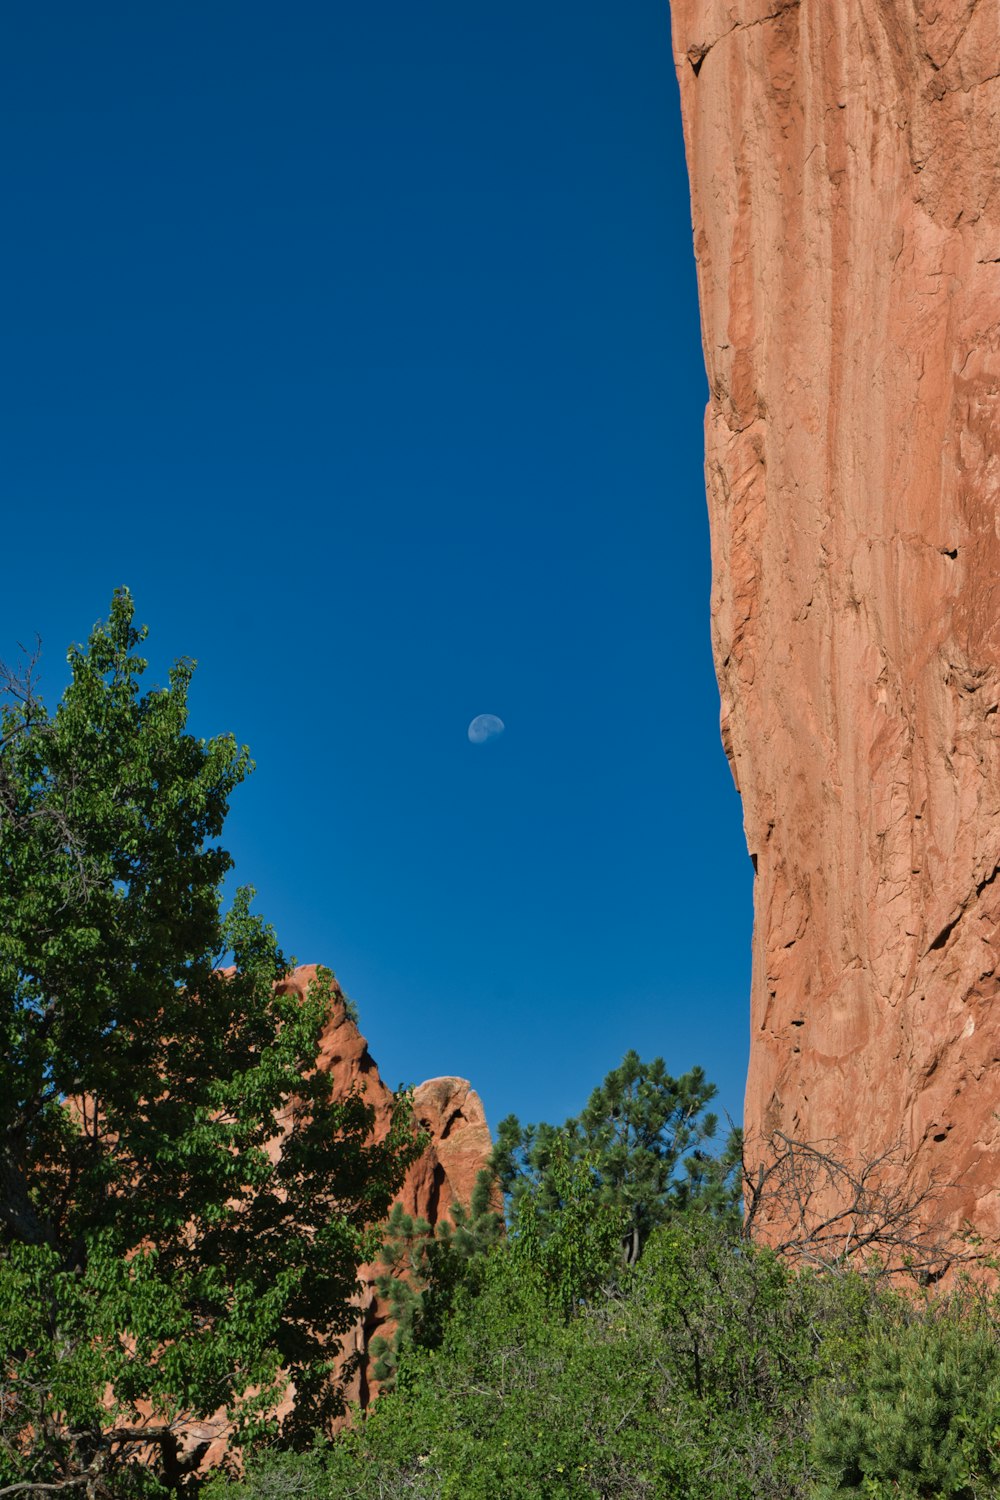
[{"x": 361, "y": 342}]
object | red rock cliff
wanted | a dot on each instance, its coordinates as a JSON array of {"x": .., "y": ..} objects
[{"x": 844, "y": 158}]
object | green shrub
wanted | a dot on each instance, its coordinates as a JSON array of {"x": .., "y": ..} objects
[
  {"x": 686, "y": 1377},
  {"x": 916, "y": 1412}
]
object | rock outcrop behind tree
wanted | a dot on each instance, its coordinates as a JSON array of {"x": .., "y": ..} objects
[{"x": 450, "y": 1113}]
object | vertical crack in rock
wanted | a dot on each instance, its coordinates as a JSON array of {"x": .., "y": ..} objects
[{"x": 844, "y": 159}]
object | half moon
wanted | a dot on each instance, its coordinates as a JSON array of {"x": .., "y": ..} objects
[{"x": 485, "y": 727}]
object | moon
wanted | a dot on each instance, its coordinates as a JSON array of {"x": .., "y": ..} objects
[{"x": 485, "y": 727}]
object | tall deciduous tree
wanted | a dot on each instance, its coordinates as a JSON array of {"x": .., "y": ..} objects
[
  {"x": 183, "y": 1204},
  {"x": 644, "y": 1136}
]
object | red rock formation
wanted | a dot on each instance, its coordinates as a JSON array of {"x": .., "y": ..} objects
[
  {"x": 844, "y": 158},
  {"x": 450, "y": 1112}
]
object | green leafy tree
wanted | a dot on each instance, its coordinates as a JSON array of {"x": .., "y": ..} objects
[
  {"x": 645, "y": 1135},
  {"x": 183, "y": 1204},
  {"x": 570, "y": 1244}
]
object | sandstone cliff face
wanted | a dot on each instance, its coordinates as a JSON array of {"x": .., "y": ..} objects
[{"x": 844, "y": 158}]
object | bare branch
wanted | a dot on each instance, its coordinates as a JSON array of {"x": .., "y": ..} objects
[
  {"x": 812, "y": 1206},
  {"x": 40, "y": 1487},
  {"x": 20, "y": 685}
]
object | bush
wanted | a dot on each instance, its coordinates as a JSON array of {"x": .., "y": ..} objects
[
  {"x": 916, "y": 1412},
  {"x": 710, "y": 1371},
  {"x": 687, "y": 1376}
]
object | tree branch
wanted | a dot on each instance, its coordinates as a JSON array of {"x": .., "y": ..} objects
[{"x": 809, "y": 1205}]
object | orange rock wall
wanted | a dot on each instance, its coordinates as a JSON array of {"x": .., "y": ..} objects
[
  {"x": 844, "y": 158},
  {"x": 450, "y": 1113}
]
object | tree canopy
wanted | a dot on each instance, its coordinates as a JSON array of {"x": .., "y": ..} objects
[
  {"x": 183, "y": 1204},
  {"x": 643, "y": 1138}
]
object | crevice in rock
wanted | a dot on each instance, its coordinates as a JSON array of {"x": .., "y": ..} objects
[
  {"x": 945, "y": 933},
  {"x": 949, "y": 927},
  {"x": 775, "y": 15},
  {"x": 939, "y": 88},
  {"x": 434, "y": 1196},
  {"x": 698, "y": 51}
]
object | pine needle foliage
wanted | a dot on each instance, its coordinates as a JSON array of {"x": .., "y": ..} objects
[
  {"x": 914, "y": 1410},
  {"x": 425, "y": 1266},
  {"x": 645, "y": 1136}
]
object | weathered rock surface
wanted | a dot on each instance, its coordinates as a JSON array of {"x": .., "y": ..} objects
[
  {"x": 844, "y": 158},
  {"x": 450, "y": 1112}
]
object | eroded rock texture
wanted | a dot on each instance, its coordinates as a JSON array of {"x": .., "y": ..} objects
[
  {"x": 845, "y": 164},
  {"x": 448, "y": 1110},
  {"x": 451, "y": 1113}
]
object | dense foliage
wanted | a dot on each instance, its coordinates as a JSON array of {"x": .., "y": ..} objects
[
  {"x": 176, "y": 1234},
  {"x": 707, "y": 1369},
  {"x": 710, "y": 1371},
  {"x": 917, "y": 1411},
  {"x": 645, "y": 1137}
]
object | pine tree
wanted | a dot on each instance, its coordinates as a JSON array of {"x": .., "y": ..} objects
[
  {"x": 645, "y": 1135},
  {"x": 426, "y": 1266}
]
